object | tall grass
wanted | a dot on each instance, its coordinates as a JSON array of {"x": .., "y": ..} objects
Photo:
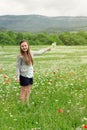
[{"x": 58, "y": 99}]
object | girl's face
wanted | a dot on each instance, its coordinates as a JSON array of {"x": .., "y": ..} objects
[{"x": 24, "y": 46}]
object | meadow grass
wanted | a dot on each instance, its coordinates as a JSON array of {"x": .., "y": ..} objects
[{"x": 58, "y": 99}]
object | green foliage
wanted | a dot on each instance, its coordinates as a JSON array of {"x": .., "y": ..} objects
[
  {"x": 65, "y": 38},
  {"x": 19, "y": 37},
  {"x": 73, "y": 38},
  {"x": 5, "y": 39},
  {"x": 82, "y": 33}
]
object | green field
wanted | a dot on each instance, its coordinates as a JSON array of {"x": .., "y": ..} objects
[{"x": 58, "y": 99}]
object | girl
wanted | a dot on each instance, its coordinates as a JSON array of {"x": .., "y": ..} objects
[{"x": 24, "y": 69}]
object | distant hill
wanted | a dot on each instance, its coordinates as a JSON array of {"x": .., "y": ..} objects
[{"x": 39, "y": 23}]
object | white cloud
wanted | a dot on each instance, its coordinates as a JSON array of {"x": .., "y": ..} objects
[{"x": 44, "y": 7}]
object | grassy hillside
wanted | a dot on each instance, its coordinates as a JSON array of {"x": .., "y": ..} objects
[{"x": 37, "y": 23}]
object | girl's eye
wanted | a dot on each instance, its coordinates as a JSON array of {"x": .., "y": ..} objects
[{"x": 23, "y": 46}]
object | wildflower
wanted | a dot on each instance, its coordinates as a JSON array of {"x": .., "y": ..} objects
[
  {"x": 58, "y": 69},
  {"x": 71, "y": 73},
  {"x": 58, "y": 76},
  {"x": 84, "y": 126},
  {"x": 50, "y": 81},
  {"x": 60, "y": 110},
  {"x": 5, "y": 76},
  {"x": 54, "y": 72},
  {"x": 7, "y": 81}
]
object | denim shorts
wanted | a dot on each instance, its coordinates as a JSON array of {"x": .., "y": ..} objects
[{"x": 25, "y": 81}]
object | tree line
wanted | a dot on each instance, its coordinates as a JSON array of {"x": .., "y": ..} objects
[{"x": 65, "y": 38}]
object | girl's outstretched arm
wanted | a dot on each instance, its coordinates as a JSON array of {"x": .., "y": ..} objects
[{"x": 42, "y": 51}]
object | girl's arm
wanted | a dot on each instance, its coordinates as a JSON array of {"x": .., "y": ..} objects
[
  {"x": 18, "y": 67},
  {"x": 42, "y": 51}
]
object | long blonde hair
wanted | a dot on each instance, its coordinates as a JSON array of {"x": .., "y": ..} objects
[{"x": 26, "y": 56}]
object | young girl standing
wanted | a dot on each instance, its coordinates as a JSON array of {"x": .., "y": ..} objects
[{"x": 24, "y": 69}]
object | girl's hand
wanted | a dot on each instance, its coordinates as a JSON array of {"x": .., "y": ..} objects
[
  {"x": 54, "y": 45},
  {"x": 18, "y": 80}
]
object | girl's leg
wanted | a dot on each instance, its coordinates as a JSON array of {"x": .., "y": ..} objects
[
  {"x": 27, "y": 93},
  {"x": 22, "y": 94}
]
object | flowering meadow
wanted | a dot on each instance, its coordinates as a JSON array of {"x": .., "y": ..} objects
[{"x": 58, "y": 99}]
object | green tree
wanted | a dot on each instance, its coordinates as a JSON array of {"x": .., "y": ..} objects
[{"x": 19, "y": 37}]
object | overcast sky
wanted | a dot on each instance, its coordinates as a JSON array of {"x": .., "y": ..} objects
[{"x": 44, "y": 7}]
